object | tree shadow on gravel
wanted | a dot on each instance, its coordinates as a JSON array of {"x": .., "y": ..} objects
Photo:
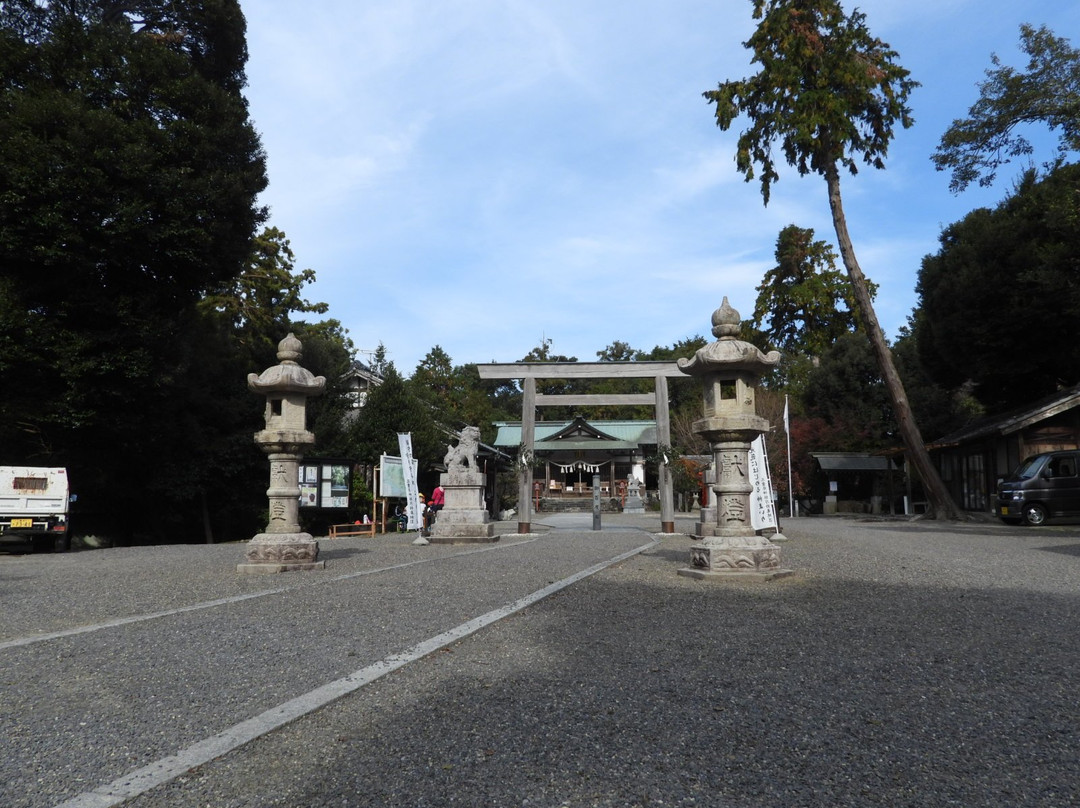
[
  {"x": 1064, "y": 549},
  {"x": 675, "y": 555},
  {"x": 341, "y": 553},
  {"x": 618, "y": 692},
  {"x": 992, "y": 528}
]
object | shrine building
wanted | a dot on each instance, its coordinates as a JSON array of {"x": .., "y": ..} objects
[{"x": 568, "y": 453}]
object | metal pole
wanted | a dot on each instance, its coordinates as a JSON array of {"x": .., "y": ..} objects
[{"x": 787, "y": 431}]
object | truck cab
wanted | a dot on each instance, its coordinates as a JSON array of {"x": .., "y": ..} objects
[{"x": 34, "y": 507}]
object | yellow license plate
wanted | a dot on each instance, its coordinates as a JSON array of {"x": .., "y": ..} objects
[
  {"x": 1004, "y": 510},
  {"x": 22, "y": 522}
]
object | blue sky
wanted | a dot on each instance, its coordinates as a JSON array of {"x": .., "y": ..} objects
[{"x": 485, "y": 174}]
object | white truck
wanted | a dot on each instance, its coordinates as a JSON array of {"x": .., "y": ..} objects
[{"x": 34, "y": 507}]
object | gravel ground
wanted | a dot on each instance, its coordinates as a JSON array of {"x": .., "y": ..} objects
[{"x": 905, "y": 664}]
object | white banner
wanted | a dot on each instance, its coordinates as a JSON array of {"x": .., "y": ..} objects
[
  {"x": 762, "y": 510},
  {"x": 412, "y": 491}
]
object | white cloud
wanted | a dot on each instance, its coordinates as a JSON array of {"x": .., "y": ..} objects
[{"x": 479, "y": 173}]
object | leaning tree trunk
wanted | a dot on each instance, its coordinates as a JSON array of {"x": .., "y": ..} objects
[{"x": 941, "y": 503}]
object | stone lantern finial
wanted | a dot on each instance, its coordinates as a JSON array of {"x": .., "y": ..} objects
[
  {"x": 725, "y": 321},
  {"x": 290, "y": 349}
]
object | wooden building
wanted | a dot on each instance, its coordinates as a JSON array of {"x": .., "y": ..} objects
[
  {"x": 853, "y": 482},
  {"x": 973, "y": 459}
]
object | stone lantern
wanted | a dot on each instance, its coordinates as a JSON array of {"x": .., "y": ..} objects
[
  {"x": 287, "y": 386},
  {"x": 729, "y": 370}
]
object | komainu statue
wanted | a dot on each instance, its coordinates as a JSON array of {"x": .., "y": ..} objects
[{"x": 462, "y": 457}]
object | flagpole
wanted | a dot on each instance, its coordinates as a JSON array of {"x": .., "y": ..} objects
[{"x": 787, "y": 431}]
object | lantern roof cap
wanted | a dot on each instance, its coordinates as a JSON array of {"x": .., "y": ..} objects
[
  {"x": 728, "y": 353},
  {"x": 287, "y": 376}
]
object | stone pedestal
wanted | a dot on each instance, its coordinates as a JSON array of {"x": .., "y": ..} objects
[
  {"x": 281, "y": 552},
  {"x": 735, "y": 557},
  {"x": 463, "y": 519}
]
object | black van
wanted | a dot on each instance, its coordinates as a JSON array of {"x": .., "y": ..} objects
[{"x": 1043, "y": 487}]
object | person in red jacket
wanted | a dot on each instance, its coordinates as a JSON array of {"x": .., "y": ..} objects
[{"x": 438, "y": 499}]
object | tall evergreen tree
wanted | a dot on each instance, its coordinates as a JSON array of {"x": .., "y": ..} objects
[
  {"x": 394, "y": 407},
  {"x": 831, "y": 93},
  {"x": 129, "y": 171},
  {"x": 1027, "y": 246},
  {"x": 259, "y": 303},
  {"x": 804, "y": 303}
]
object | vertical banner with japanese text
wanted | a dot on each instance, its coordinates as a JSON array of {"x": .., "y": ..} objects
[
  {"x": 762, "y": 509},
  {"x": 412, "y": 491}
]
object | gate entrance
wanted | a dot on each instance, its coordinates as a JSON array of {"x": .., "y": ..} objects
[{"x": 529, "y": 372}]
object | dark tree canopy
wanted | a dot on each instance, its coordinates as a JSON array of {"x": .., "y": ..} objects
[
  {"x": 1047, "y": 93},
  {"x": 128, "y": 163},
  {"x": 999, "y": 302},
  {"x": 128, "y": 177},
  {"x": 847, "y": 392},
  {"x": 129, "y": 172}
]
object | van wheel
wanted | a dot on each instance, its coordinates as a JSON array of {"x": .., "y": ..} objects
[{"x": 1034, "y": 514}]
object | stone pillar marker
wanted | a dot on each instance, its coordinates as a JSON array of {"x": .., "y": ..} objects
[
  {"x": 463, "y": 518},
  {"x": 284, "y": 546},
  {"x": 729, "y": 370}
]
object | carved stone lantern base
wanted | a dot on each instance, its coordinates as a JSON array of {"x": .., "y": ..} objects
[
  {"x": 734, "y": 557},
  {"x": 281, "y": 552}
]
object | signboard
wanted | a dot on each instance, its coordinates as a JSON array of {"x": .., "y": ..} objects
[
  {"x": 762, "y": 509},
  {"x": 325, "y": 484},
  {"x": 392, "y": 477}
]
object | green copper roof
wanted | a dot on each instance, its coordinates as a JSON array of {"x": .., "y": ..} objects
[{"x": 614, "y": 435}]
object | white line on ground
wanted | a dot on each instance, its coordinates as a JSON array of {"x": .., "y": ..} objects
[
  {"x": 209, "y": 604},
  {"x": 161, "y": 771}
]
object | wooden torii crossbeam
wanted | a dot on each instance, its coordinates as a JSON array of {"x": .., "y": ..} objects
[{"x": 529, "y": 372}]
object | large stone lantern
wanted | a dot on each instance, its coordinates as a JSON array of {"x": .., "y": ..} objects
[
  {"x": 287, "y": 386},
  {"x": 729, "y": 370}
]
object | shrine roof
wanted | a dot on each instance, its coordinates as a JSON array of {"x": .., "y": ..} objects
[
  {"x": 1013, "y": 420},
  {"x": 851, "y": 461},
  {"x": 580, "y": 434}
]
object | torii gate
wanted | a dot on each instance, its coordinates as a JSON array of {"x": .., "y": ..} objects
[{"x": 529, "y": 372}]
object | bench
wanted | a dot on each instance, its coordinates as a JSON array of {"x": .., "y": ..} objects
[{"x": 339, "y": 531}]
